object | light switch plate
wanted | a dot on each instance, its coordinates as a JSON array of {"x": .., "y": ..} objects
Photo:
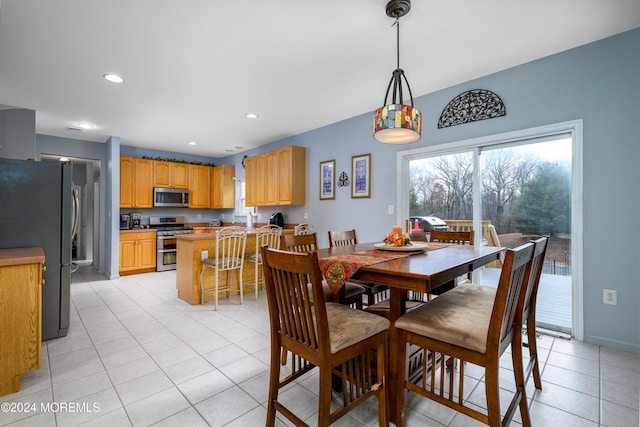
[
  {"x": 390, "y": 209},
  {"x": 204, "y": 255}
]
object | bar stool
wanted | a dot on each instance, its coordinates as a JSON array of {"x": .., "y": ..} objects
[
  {"x": 229, "y": 257},
  {"x": 267, "y": 235}
]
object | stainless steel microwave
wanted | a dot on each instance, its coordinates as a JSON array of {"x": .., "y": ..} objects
[{"x": 171, "y": 197}]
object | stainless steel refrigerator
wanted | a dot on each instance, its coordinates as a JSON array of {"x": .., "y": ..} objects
[{"x": 37, "y": 209}]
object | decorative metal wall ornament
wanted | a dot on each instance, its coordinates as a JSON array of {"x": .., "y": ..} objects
[
  {"x": 343, "y": 180},
  {"x": 472, "y": 106}
]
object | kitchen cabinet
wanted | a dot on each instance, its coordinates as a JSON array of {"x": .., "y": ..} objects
[
  {"x": 137, "y": 252},
  {"x": 223, "y": 193},
  {"x": 20, "y": 314},
  {"x": 255, "y": 180},
  {"x": 279, "y": 178},
  {"x": 170, "y": 174},
  {"x": 199, "y": 184},
  {"x": 136, "y": 183},
  {"x": 250, "y": 177}
]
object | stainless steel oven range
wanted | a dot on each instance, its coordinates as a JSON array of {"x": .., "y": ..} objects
[{"x": 168, "y": 228}]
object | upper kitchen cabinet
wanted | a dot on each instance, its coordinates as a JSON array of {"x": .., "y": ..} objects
[
  {"x": 223, "y": 194},
  {"x": 136, "y": 183},
  {"x": 170, "y": 174},
  {"x": 199, "y": 184},
  {"x": 256, "y": 180},
  {"x": 279, "y": 177}
]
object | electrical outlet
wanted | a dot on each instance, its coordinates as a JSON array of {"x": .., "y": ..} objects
[
  {"x": 609, "y": 296},
  {"x": 390, "y": 209},
  {"x": 259, "y": 216},
  {"x": 306, "y": 215},
  {"x": 199, "y": 216},
  {"x": 204, "y": 255}
]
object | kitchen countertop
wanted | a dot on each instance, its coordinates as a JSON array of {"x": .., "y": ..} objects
[
  {"x": 139, "y": 230},
  {"x": 209, "y": 236},
  {"x": 18, "y": 256}
]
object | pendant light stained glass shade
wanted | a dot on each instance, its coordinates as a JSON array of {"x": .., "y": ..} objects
[{"x": 397, "y": 124}]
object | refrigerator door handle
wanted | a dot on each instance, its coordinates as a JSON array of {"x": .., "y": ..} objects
[{"x": 76, "y": 213}]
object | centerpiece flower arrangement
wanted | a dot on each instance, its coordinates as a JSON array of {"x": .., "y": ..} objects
[{"x": 397, "y": 239}]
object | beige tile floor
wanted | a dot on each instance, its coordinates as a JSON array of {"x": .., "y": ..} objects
[{"x": 137, "y": 355}]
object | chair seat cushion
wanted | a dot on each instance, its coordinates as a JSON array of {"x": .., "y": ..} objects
[
  {"x": 459, "y": 317},
  {"x": 348, "y": 326},
  {"x": 224, "y": 262}
]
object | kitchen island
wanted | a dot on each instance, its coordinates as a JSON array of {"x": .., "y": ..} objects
[{"x": 189, "y": 265}]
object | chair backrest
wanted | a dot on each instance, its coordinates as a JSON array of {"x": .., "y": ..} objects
[
  {"x": 297, "y": 311},
  {"x": 458, "y": 237},
  {"x": 299, "y": 243},
  {"x": 506, "y": 307},
  {"x": 342, "y": 238},
  {"x": 268, "y": 235},
  {"x": 230, "y": 245},
  {"x": 534, "y": 280},
  {"x": 303, "y": 228}
]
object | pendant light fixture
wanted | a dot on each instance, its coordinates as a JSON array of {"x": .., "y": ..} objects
[{"x": 397, "y": 123}]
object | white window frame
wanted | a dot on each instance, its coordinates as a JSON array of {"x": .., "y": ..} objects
[{"x": 574, "y": 129}]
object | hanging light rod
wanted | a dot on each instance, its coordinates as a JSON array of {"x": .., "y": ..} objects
[{"x": 397, "y": 123}]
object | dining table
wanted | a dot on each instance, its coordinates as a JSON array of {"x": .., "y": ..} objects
[{"x": 423, "y": 270}]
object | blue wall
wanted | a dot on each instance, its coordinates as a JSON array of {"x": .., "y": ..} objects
[{"x": 597, "y": 83}]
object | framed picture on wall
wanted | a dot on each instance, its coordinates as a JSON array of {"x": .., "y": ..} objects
[
  {"x": 361, "y": 176},
  {"x": 328, "y": 180}
]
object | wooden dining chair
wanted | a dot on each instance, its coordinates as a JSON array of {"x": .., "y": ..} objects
[
  {"x": 309, "y": 243},
  {"x": 348, "y": 238},
  {"x": 267, "y": 235},
  {"x": 228, "y": 257},
  {"x": 464, "y": 325},
  {"x": 457, "y": 237},
  {"x": 337, "y": 339}
]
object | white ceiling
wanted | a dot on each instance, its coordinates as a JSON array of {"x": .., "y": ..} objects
[{"x": 194, "y": 68}]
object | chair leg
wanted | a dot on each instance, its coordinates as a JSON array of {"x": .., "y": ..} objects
[
  {"x": 402, "y": 368},
  {"x": 383, "y": 396},
  {"x": 258, "y": 267},
  {"x": 518, "y": 373},
  {"x": 533, "y": 347},
  {"x": 492, "y": 392},
  {"x": 274, "y": 383},
  {"x": 324, "y": 404},
  {"x": 204, "y": 267},
  {"x": 241, "y": 286}
]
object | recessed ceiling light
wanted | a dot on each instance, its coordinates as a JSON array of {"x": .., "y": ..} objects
[
  {"x": 229, "y": 150},
  {"x": 239, "y": 148},
  {"x": 192, "y": 143},
  {"x": 251, "y": 116},
  {"x": 86, "y": 125},
  {"x": 113, "y": 78}
]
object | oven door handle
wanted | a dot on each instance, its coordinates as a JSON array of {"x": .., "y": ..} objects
[{"x": 166, "y": 250}]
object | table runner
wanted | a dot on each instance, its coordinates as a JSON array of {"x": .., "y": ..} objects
[{"x": 338, "y": 269}]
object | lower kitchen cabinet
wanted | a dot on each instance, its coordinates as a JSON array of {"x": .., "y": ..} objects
[
  {"x": 137, "y": 252},
  {"x": 20, "y": 314}
]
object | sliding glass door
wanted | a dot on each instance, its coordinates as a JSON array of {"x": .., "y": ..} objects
[{"x": 508, "y": 191}]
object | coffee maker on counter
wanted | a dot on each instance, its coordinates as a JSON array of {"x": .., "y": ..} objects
[
  {"x": 125, "y": 221},
  {"x": 136, "y": 220}
]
